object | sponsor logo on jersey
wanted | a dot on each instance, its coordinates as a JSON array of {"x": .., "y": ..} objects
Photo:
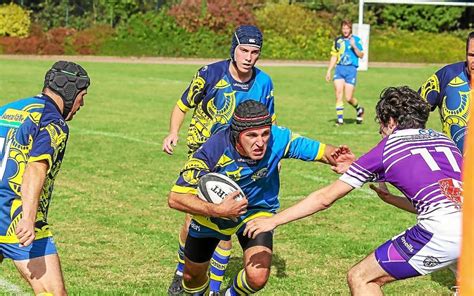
[
  {"x": 431, "y": 261},
  {"x": 243, "y": 86},
  {"x": 260, "y": 174},
  {"x": 406, "y": 244}
]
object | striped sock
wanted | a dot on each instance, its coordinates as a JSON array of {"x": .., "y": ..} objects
[
  {"x": 356, "y": 106},
  {"x": 180, "y": 266},
  {"x": 340, "y": 113},
  {"x": 240, "y": 286},
  {"x": 219, "y": 262},
  {"x": 199, "y": 291}
]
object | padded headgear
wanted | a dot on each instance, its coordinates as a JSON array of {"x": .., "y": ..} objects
[
  {"x": 246, "y": 35},
  {"x": 67, "y": 80},
  {"x": 249, "y": 115}
]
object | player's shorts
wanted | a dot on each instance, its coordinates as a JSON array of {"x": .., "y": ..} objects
[
  {"x": 38, "y": 248},
  {"x": 202, "y": 241},
  {"x": 418, "y": 252},
  {"x": 348, "y": 73}
]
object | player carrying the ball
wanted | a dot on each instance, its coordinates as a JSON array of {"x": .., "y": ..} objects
[{"x": 248, "y": 151}]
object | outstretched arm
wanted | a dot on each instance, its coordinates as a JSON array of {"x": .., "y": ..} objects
[
  {"x": 176, "y": 120},
  {"x": 315, "y": 202}
]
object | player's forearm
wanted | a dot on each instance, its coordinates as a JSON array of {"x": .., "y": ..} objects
[
  {"x": 191, "y": 204},
  {"x": 332, "y": 63},
  {"x": 400, "y": 202},
  {"x": 358, "y": 52},
  {"x": 176, "y": 120},
  {"x": 31, "y": 187}
]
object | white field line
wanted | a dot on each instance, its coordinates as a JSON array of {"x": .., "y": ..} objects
[
  {"x": 81, "y": 131},
  {"x": 6, "y": 286}
]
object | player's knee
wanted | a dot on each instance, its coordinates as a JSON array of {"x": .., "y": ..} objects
[
  {"x": 257, "y": 278},
  {"x": 354, "y": 277},
  {"x": 226, "y": 245}
]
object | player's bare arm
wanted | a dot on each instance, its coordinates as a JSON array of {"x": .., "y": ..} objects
[
  {"x": 358, "y": 52},
  {"x": 317, "y": 201},
  {"x": 332, "y": 63},
  {"x": 33, "y": 181},
  {"x": 398, "y": 201},
  {"x": 190, "y": 203},
  {"x": 176, "y": 120}
]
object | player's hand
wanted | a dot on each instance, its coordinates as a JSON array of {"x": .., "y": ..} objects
[
  {"x": 169, "y": 142},
  {"x": 343, "y": 157},
  {"x": 382, "y": 191},
  {"x": 25, "y": 232},
  {"x": 352, "y": 42},
  {"x": 259, "y": 225},
  {"x": 232, "y": 208},
  {"x": 328, "y": 76}
]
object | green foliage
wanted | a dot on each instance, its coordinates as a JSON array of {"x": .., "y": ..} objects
[
  {"x": 350, "y": 11},
  {"x": 310, "y": 39},
  {"x": 415, "y": 47},
  {"x": 159, "y": 34},
  {"x": 217, "y": 15},
  {"x": 425, "y": 18},
  {"x": 14, "y": 21}
]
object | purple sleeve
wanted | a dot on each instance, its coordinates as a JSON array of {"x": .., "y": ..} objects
[{"x": 368, "y": 168}]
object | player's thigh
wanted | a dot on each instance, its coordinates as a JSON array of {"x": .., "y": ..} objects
[
  {"x": 368, "y": 270},
  {"x": 184, "y": 229},
  {"x": 257, "y": 257},
  {"x": 349, "y": 90},
  {"x": 43, "y": 274},
  {"x": 339, "y": 88},
  {"x": 197, "y": 254}
]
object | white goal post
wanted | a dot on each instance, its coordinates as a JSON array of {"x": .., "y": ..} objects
[{"x": 363, "y": 30}]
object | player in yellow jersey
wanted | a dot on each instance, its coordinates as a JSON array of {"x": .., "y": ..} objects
[{"x": 33, "y": 137}]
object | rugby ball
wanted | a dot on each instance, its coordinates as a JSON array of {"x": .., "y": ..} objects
[{"x": 214, "y": 187}]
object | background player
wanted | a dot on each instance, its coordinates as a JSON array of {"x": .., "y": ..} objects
[
  {"x": 33, "y": 137},
  {"x": 249, "y": 152},
  {"x": 214, "y": 93},
  {"x": 345, "y": 54},
  {"x": 425, "y": 166},
  {"x": 448, "y": 90}
]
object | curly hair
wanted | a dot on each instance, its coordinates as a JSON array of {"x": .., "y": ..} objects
[{"x": 404, "y": 105}]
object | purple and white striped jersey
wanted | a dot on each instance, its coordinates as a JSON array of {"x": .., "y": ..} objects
[{"x": 423, "y": 164}]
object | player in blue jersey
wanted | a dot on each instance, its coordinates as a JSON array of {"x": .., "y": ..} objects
[
  {"x": 248, "y": 151},
  {"x": 33, "y": 137},
  {"x": 345, "y": 54},
  {"x": 426, "y": 167},
  {"x": 213, "y": 94},
  {"x": 448, "y": 90}
]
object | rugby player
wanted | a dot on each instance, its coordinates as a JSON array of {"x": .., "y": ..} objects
[
  {"x": 248, "y": 151},
  {"x": 33, "y": 137},
  {"x": 448, "y": 90},
  {"x": 345, "y": 54},
  {"x": 214, "y": 92}
]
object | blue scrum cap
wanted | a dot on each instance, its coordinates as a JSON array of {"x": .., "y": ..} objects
[{"x": 246, "y": 35}]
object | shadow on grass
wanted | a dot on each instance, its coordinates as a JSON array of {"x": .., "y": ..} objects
[
  {"x": 444, "y": 278},
  {"x": 346, "y": 121}
]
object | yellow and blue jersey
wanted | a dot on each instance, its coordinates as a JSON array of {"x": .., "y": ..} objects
[
  {"x": 448, "y": 90},
  {"x": 214, "y": 95},
  {"x": 259, "y": 180},
  {"x": 342, "y": 49},
  {"x": 31, "y": 130}
]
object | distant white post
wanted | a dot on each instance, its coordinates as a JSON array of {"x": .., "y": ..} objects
[{"x": 363, "y": 31}]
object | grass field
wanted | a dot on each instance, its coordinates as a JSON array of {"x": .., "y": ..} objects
[{"x": 113, "y": 228}]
